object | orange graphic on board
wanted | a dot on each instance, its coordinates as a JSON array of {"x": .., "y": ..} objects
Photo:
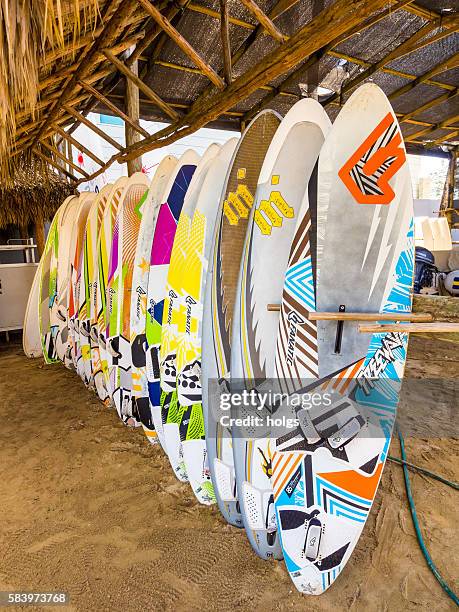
[{"x": 369, "y": 169}]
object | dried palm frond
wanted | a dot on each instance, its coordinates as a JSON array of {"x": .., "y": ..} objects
[
  {"x": 29, "y": 29},
  {"x": 36, "y": 192}
]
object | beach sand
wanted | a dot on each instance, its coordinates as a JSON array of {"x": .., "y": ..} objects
[{"x": 91, "y": 508}]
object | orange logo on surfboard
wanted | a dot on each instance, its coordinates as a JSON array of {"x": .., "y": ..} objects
[{"x": 368, "y": 171}]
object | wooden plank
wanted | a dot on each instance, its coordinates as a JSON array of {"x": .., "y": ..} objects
[
  {"x": 79, "y": 117},
  {"x": 264, "y": 20},
  {"x": 76, "y": 144},
  {"x": 226, "y": 43},
  {"x": 184, "y": 45},
  {"x": 412, "y": 328},
  {"x": 170, "y": 112},
  {"x": 418, "y": 317},
  {"x": 118, "y": 112}
]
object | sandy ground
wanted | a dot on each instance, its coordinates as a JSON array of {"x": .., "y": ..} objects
[{"x": 89, "y": 507}]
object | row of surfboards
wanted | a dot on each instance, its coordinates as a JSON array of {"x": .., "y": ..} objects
[{"x": 157, "y": 294}]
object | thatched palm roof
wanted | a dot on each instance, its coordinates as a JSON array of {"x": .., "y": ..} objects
[
  {"x": 217, "y": 62},
  {"x": 34, "y": 194}
]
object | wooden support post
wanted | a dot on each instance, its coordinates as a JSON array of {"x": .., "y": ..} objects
[
  {"x": 447, "y": 199},
  {"x": 132, "y": 107},
  {"x": 226, "y": 42},
  {"x": 414, "y": 328},
  {"x": 40, "y": 234},
  {"x": 264, "y": 20},
  {"x": 184, "y": 45}
]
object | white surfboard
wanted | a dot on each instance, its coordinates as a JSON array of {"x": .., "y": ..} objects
[
  {"x": 174, "y": 309},
  {"x": 89, "y": 278},
  {"x": 327, "y": 470},
  {"x": 284, "y": 179},
  {"x": 140, "y": 396},
  {"x": 189, "y": 329},
  {"x": 163, "y": 239},
  {"x": 104, "y": 243},
  {"x": 63, "y": 267},
  {"x": 73, "y": 353},
  {"x": 119, "y": 299}
]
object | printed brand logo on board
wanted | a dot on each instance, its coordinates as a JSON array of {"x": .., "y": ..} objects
[
  {"x": 238, "y": 204},
  {"x": 271, "y": 212},
  {"x": 369, "y": 169}
]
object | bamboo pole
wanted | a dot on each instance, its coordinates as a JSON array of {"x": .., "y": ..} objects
[
  {"x": 184, "y": 45},
  {"x": 414, "y": 328},
  {"x": 140, "y": 84},
  {"x": 117, "y": 111},
  {"x": 264, "y": 20}
]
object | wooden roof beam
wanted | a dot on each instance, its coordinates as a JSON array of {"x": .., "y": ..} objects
[
  {"x": 120, "y": 13},
  {"x": 83, "y": 41},
  {"x": 429, "y": 105},
  {"x": 448, "y": 64},
  {"x": 264, "y": 20},
  {"x": 417, "y": 41},
  {"x": 184, "y": 45},
  {"x": 59, "y": 155},
  {"x": 141, "y": 85},
  {"x": 155, "y": 31},
  {"x": 437, "y": 126},
  {"x": 115, "y": 110},
  {"x": 333, "y": 21},
  {"x": 77, "y": 144},
  {"x": 51, "y": 161},
  {"x": 82, "y": 119},
  {"x": 435, "y": 143},
  {"x": 313, "y": 59}
]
